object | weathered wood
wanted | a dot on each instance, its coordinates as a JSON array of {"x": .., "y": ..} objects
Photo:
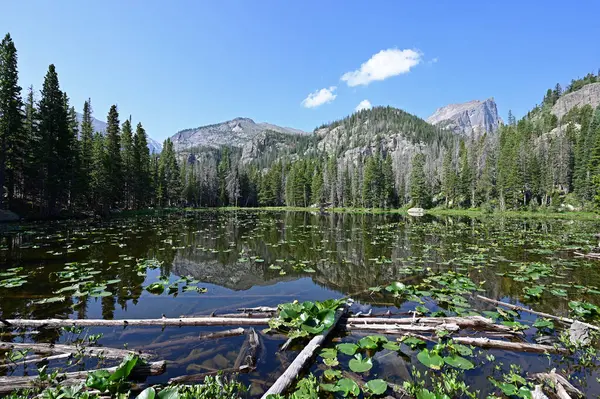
[
  {"x": 546, "y": 315},
  {"x": 194, "y": 378},
  {"x": 557, "y": 381},
  {"x": 511, "y": 346},
  {"x": 248, "y": 351},
  {"x": 38, "y": 359},
  {"x": 9, "y": 384},
  {"x": 163, "y": 322},
  {"x": 258, "y": 309},
  {"x": 474, "y": 322},
  {"x": 107, "y": 353},
  {"x": 399, "y": 328},
  {"x": 288, "y": 376},
  {"x": 190, "y": 340}
]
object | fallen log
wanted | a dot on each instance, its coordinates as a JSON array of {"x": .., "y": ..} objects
[
  {"x": 546, "y": 315},
  {"x": 162, "y": 322},
  {"x": 400, "y": 328},
  {"x": 202, "y": 337},
  {"x": 194, "y": 378},
  {"x": 474, "y": 322},
  {"x": 288, "y": 376},
  {"x": 38, "y": 359},
  {"x": 107, "y": 353},
  {"x": 564, "y": 389},
  {"x": 9, "y": 384},
  {"x": 258, "y": 309},
  {"x": 511, "y": 346}
]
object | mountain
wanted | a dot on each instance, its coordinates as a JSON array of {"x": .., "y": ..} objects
[
  {"x": 473, "y": 117},
  {"x": 99, "y": 126},
  {"x": 235, "y": 133},
  {"x": 588, "y": 94}
]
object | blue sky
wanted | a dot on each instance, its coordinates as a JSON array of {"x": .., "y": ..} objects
[{"x": 181, "y": 64}]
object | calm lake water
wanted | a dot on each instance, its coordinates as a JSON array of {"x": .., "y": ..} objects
[{"x": 253, "y": 258}]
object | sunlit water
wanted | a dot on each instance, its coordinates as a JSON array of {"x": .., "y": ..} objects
[{"x": 254, "y": 258}]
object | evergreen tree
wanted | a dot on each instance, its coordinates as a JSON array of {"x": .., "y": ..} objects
[
  {"x": 74, "y": 177},
  {"x": 99, "y": 189},
  {"x": 169, "y": 181},
  {"x": 114, "y": 165},
  {"x": 12, "y": 141},
  {"x": 127, "y": 158},
  {"x": 387, "y": 174},
  {"x": 448, "y": 178},
  {"x": 31, "y": 134},
  {"x": 141, "y": 168},
  {"x": 419, "y": 191},
  {"x": 87, "y": 140},
  {"x": 55, "y": 143},
  {"x": 316, "y": 187}
]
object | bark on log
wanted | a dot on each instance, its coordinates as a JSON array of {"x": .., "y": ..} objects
[
  {"x": 107, "y": 353},
  {"x": 511, "y": 346},
  {"x": 195, "y": 378},
  {"x": 163, "y": 322},
  {"x": 258, "y": 309},
  {"x": 202, "y": 337},
  {"x": 248, "y": 351},
  {"x": 546, "y": 315},
  {"x": 288, "y": 376},
  {"x": 400, "y": 328},
  {"x": 38, "y": 359},
  {"x": 474, "y": 322},
  {"x": 9, "y": 384}
]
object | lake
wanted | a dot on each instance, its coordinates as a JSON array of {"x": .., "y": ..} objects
[{"x": 207, "y": 262}]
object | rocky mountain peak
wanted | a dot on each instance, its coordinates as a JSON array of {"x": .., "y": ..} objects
[{"x": 471, "y": 118}]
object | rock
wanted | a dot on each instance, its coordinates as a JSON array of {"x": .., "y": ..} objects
[
  {"x": 236, "y": 133},
  {"x": 588, "y": 94},
  {"x": 470, "y": 118},
  {"x": 8, "y": 216},
  {"x": 579, "y": 334},
  {"x": 416, "y": 211}
]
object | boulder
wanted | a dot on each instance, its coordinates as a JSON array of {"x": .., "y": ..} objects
[
  {"x": 8, "y": 216},
  {"x": 416, "y": 211}
]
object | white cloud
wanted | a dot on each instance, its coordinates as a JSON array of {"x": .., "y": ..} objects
[
  {"x": 319, "y": 97},
  {"x": 364, "y": 104},
  {"x": 383, "y": 65}
]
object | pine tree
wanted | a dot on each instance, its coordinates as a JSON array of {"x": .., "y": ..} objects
[
  {"x": 316, "y": 187},
  {"x": 448, "y": 178},
  {"x": 114, "y": 164},
  {"x": 419, "y": 191},
  {"x": 142, "y": 180},
  {"x": 31, "y": 134},
  {"x": 87, "y": 140},
  {"x": 169, "y": 181},
  {"x": 387, "y": 174},
  {"x": 74, "y": 171},
  {"x": 466, "y": 175},
  {"x": 12, "y": 144},
  {"x": 99, "y": 192},
  {"x": 127, "y": 158},
  {"x": 55, "y": 143}
]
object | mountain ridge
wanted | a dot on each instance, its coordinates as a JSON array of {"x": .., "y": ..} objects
[{"x": 473, "y": 117}]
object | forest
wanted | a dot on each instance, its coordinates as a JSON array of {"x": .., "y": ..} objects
[{"x": 50, "y": 164}]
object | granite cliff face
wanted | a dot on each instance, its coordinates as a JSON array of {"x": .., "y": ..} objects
[
  {"x": 470, "y": 118},
  {"x": 235, "y": 133},
  {"x": 588, "y": 94}
]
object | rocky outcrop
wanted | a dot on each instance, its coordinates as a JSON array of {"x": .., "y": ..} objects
[
  {"x": 267, "y": 143},
  {"x": 235, "y": 133},
  {"x": 470, "y": 118},
  {"x": 588, "y": 94},
  {"x": 8, "y": 216}
]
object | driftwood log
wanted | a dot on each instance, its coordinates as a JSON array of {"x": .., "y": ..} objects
[
  {"x": 511, "y": 346},
  {"x": 107, "y": 353},
  {"x": 546, "y": 315},
  {"x": 162, "y": 322},
  {"x": 290, "y": 374},
  {"x": 9, "y": 384},
  {"x": 558, "y": 384},
  {"x": 400, "y": 328}
]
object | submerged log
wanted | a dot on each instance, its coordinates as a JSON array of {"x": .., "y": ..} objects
[
  {"x": 288, "y": 376},
  {"x": 546, "y": 315},
  {"x": 9, "y": 384},
  {"x": 107, "y": 353},
  {"x": 511, "y": 346},
  {"x": 258, "y": 309},
  {"x": 248, "y": 351},
  {"x": 195, "y": 378},
  {"x": 190, "y": 340}
]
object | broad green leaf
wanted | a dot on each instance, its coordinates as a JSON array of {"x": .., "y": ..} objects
[
  {"x": 459, "y": 362},
  {"x": 347, "y": 349},
  {"x": 376, "y": 387},
  {"x": 430, "y": 359},
  {"x": 360, "y": 364},
  {"x": 347, "y": 386},
  {"x": 148, "y": 393}
]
